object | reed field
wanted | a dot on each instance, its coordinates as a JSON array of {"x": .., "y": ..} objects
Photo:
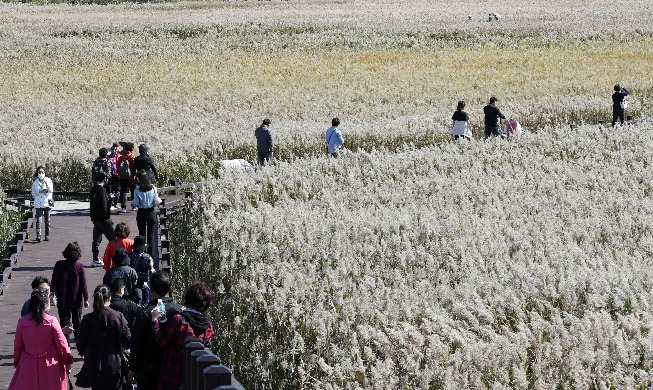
[{"x": 411, "y": 262}]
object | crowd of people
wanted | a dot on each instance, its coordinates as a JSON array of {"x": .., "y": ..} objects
[{"x": 125, "y": 340}]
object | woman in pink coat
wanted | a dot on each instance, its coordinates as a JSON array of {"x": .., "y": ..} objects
[{"x": 41, "y": 354}]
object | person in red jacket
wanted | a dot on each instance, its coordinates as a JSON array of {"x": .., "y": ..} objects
[
  {"x": 122, "y": 240},
  {"x": 126, "y": 173}
]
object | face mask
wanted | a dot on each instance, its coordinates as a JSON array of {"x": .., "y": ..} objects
[{"x": 41, "y": 175}]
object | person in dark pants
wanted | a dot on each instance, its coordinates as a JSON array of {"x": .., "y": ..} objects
[
  {"x": 619, "y": 104},
  {"x": 126, "y": 173},
  {"x": 69, "y": 285},
  {"x": 143, "y": 162},
  {"x": 127, "y": 307},
  {"x": 264, "y": 143},
  {"x": 146, "y": 355},
  {"x": 146, "y": 199},
  {"x": 492, "y": 115},
  {"x": 101, "y": 217}
]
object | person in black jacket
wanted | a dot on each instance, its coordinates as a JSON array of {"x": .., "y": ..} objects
[
  {"x": 492, "y": 115},
  {"x": 123, "y": 270},
  {"x": 146, "y": 355},
  {"x": 619, "y": 104},
  {"x": 128, "y": 308},
  {"x": 264, "y": 142},
  {"x": 101, "y": 218},
  {"x": 143, "y": 162}
]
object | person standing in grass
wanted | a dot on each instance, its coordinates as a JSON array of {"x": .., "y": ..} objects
[
  {"x": 619, "y": 104},
  {"x": 461, "y": 127},
  {"x": 492, "y": 115},
  {"x": 264, "y": 143},
  {"x": 101, "y": 218},
  {"x": 334, "y": 138},
  {"x": 42, "y": 192},
  {"x": 69, "y": 285}
]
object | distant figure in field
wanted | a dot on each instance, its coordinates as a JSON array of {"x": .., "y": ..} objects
[
  {"x": 334, "y": 138},
  {"x": 492, "y": 115},
  {"x": 42, "y": 192},
  {"x": 461, "y": 127},
  {"x": 264, "y": 142},
  {"x": 143, "y": 162},
  {"x": 619, "y": 104}
]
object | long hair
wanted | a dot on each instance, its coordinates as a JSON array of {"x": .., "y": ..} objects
[
  {"x": 144, "y": 182},
  {"x": 100, "y": 296},
  {"x": 40, "y": 167},
  {"x": 38, "y": 302}
]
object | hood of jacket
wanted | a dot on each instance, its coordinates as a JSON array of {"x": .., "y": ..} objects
[{"x": 199, "y": 322}]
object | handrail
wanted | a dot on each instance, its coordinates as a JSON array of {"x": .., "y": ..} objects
[
  {"x": 15, "y": 246},
  {"x": 203, "y": 370}
]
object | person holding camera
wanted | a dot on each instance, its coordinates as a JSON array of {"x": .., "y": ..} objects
[
  {"x": 619, "y": 104},
  {"x": 492, "y": 115},
  {"x": 101, "y": 217}
]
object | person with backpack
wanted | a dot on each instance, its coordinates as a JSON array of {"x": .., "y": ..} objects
[
  {"x": 143, "y": 162},
  {"x": 334, "y": 140},
  {"x": 124, "y": 271},
  {"x": 144, "y": 266},
  {"x": 122, "y": 240},
  {"x": 146, "y": 199},
  {"x": 101, "y": 218},
  {"x": 126, "y": 173},
  {"x": 101, "y": 167},
  {"x": 264, "y": 142},
  {"x": 114, "y": 180},
  {"x": 619, "y": 104},
  {"x": 492, "y": 115}
]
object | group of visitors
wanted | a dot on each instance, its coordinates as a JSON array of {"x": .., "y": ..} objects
[
  {"x": 125, "y": 340},
  {"x": 462, "y": 128}
]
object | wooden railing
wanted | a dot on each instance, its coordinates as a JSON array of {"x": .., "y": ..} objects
[{"x": 15, "y": 246}]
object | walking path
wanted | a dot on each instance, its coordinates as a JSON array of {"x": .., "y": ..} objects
[{"x": 70, "y": 221}]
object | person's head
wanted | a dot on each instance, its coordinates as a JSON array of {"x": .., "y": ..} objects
[
  {"x": 117, "y": 286},
  {"x": 115, "y": 147},
  {"x": 101, "y": 296},
  {"x": 72, "y": 252},
  {"x": 493, "y": 100},
  {"x": 198, "y": 297},
  {"x": 104, "y": 152},
  {"x": 267, "y": 122},
  {"x": 335, "y": 122},
  {"x": 617, "y": 87},
  {"x": 461, "y": 105},
  {"x": 40, "y": 172},
  {"x": 41, "y": 282},
  {"x": 144, "y": 182},
  {"x": 160, "y": 284},
  {"x": 39, "y": 304},
  {"x": 140, "y": 244},
  {"x": 128, "y": 147},
  {"x": 143, "y": 149},
  {"x": 122, "y": 230},
  {"x": 121, "y": 257}
]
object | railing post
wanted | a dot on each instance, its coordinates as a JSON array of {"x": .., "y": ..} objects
[
  {"x": 199, "y": 373},
  {"x": 190, "y": 381},
  {"x": 191, "y": 344},
  {"x": 216, "y": 376}
]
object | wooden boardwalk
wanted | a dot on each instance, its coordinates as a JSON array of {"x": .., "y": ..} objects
[{"x": 70, "y": 221}]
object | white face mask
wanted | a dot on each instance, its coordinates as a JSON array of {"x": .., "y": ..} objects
[{"x": 41, "y": 175}]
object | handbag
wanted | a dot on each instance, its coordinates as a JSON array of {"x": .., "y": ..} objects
[{"x": 51, "y": 202}]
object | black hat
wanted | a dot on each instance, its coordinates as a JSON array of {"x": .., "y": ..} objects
[
  {"x": 267, "y": 121},
  {"x": 493, "y": 99},
  {"x": 143, "y": 148},
  {"x": 139, "y": 244},
  {"x": 121, "y": 257}
]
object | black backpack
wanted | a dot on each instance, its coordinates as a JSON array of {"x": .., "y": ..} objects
[
  {"x": 124, "y": 172},
  {"x": 100, "y": 169},
  {"x": 141, "y": 263}
]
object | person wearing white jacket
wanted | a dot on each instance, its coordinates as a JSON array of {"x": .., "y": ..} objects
[{"x": 42, "y": 192}]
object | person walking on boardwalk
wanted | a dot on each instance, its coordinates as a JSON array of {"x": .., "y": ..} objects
[
  {"x": 42, "y": 190},
  {"x": 264, "y": 143},
  {"x": 122, "y": 240},
  {"x": 619, "y": 104},
  {"x": 144, "y": 266},
  {"x": 170, "y": 333},
  {"x": 124, "y": 271},
  {"x": 492, "y": 115},
  {"x": 146, "y": 355},
  {"x": 114, "y": 180},
  {"x": 69, "y": 285},
  {"x": 143, "y": 162},
  {"x": 334, "y": 140},
  {"x": 461, "y": 127},
  {"x": 102, "y": 338},
  {"x": 146, "y": 199},
  {"x": 41, "y": 354},
  {"x": 126, "y": 173},
  {"x": 101, "y": 218}
]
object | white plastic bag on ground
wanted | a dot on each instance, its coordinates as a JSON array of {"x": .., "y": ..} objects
[{"x": 237, "y": 164}]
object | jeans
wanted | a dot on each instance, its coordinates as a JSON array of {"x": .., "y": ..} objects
[
  {"x": 45, "y": 213},
  {"x": 618, "y": 114},
  {"x": 491, "y": 130},
  {"x": 146, "y": 221},
  {"x": 101, "y": 228}
]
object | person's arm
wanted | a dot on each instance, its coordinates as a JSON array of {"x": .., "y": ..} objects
[
  {"x": 125, "y": 334},
  {"x": 341, "y": 140},
  {"x": 19, "y": 346},
  {"x": 108, "y": 254},
  {"x": 168, "y": 333},
  {"x": 270, "y": 141},
  {"x": 50, "y": 188},
  {"x": 82, "y": 284},
  {"x": 136, "y": 202},
  {"x": 61, "y": 344},
  {"x": 35, "y": 189},
  {"x": 141, "y": 322},
  {"x": 624, "y": 92},
  {"x": 154, "y": 171},
  {"x": 500, "y": 114},
  {"x": 81, "y": 336}
]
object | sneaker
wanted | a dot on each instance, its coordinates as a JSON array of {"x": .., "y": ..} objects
[
  {"x": 134, "y": 208},
  {"x": 97, "y": 263},
  {"x": 38, "y": 239},
  {"x": 47, "y": 238},
  {"x": 123, "y": 210}
]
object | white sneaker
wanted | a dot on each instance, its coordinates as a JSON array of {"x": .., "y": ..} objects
[
  {"x": 97, "y": 263},
  {"x": 124, "y": 211}
]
